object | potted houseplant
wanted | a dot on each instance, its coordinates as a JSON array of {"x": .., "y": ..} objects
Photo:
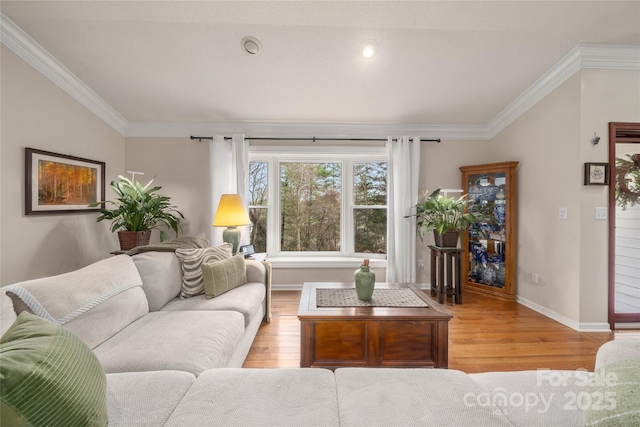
[
  {"x": 137, "y": 211},
  {"x": 446, "y": 216}
]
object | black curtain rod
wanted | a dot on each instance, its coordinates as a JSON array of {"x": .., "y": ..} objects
[{"x": 314, "y": 139}]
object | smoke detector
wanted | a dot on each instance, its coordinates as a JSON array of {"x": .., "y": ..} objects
[{"x": 251, "y": 45}]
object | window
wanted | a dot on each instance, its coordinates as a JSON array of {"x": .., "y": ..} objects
[
  {"x": 258, "y": 181},
  {"x": 310, "y": 207},
  {"x": 318, "y": 204},
  {"x": 370, "y": 207}
]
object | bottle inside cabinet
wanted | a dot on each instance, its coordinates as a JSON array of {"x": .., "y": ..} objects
[
  {"x": 486, "y": 239},
  {"x": 489, "y": 264}
]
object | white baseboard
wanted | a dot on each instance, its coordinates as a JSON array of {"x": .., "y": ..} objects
[
  {"x": 594, "y": 327},
  {"x": 580, "y": 327},
  {"x": 622, "y": 326}
]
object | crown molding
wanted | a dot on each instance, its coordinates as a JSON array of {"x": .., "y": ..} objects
[
  {"x": 542, "y": 87},
  {"x": 610, "y": 57},
  {"x": 34, "y": 54},
  {"x": 581, "y": 57}
]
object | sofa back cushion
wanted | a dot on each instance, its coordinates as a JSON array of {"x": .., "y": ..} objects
[
  {"x": 161, "y": 276},
  {"x": 95, "y": 302}
]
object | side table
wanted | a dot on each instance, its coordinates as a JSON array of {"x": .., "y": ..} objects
[{"x": 446, "y": 260}]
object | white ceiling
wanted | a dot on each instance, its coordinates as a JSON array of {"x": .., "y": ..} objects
[{"x": 439, "y": 62}]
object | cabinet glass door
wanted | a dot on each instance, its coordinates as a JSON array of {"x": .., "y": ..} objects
[{"x": 487, "y": 247}]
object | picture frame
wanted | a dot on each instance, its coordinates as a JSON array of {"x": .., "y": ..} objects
[
  {"x": 61, "y": 184},
  {"x": 596, "y": 174}
]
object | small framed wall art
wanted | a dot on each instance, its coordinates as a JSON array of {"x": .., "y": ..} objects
[
  {"x": 58, "y": 184},
  {"x": 596, "y": 173}
]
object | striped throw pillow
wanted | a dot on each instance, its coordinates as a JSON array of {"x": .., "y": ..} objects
[
  {"x": 222, "y": 276},
  {"x": 191, "y": 260},
  {"x": 49, "y": 377},
  {"x": 614, "y": 395}
]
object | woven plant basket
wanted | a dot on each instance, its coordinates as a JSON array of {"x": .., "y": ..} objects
[
  {"x": 447, "y": 240},
  {"x": 131, "y": 239}
]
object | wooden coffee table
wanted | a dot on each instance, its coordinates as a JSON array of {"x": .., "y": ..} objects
[{"x": 334, "y": 337}]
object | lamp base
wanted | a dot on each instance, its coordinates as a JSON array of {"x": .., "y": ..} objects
[{"x": 232, "y": 235}]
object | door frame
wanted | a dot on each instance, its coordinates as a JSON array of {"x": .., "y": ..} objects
[{"x": 614, "y": 129}]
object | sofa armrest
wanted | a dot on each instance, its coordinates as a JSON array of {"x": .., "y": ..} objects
[
  {"x": 256, "y": 271},
  {"x": 617, "y": 351},
  {"x": 260, "y": 271}
]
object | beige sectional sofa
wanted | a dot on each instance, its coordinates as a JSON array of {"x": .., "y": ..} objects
[
  {"x": 127, "y": 310},
  {"x": 173, "y": 362}
]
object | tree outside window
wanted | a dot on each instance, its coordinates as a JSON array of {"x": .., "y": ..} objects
[
  {"x": 310, "y": 207},
  {"x": 309, "y": 215},
  {"x": 258, "y": 202},
  {"x": 370, "y": 207}
]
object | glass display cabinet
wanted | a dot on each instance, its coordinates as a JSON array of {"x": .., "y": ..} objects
[{"x": 489, "y": 258}]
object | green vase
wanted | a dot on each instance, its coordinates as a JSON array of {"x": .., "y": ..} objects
[{"x": 365, "y": 282}]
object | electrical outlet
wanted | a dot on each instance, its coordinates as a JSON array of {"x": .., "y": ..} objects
[
  {"x": 534, "y": 277},
  {"x": 420, "y": 263}
]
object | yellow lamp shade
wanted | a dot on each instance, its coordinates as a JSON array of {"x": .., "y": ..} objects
[{"x": 231, "y": 212}]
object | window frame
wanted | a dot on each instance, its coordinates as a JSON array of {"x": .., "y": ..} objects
[{"x": 347, "y": 157}]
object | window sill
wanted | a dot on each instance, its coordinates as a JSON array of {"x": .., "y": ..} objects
[{"x": 323, "y": 262}]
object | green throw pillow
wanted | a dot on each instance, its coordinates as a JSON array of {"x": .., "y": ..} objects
[
  {"x": 222, "y": 276},
  {"x": 49, "y": 377},
  {"x": 614, "y": 395}
]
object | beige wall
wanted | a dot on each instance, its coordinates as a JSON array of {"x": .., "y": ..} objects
[
  {"x": 293, "y": 278},
  {"x": 439, "y": 168},
  {"x": 552, "y": 141},
  {"x": 181, "y": 167},
  {"x": 607, "y": 96},
  {"x": 38, "y": 114},
  {"x": 545, "y": 140}
]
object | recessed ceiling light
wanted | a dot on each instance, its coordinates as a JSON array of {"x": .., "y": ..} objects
[
  {"x": 368, "y": 48},
  {"x": 251, "y": 45}
]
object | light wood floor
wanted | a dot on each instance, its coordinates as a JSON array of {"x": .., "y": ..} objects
[{"x": 485, "y": 334}]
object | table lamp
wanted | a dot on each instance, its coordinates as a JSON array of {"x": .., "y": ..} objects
[{"x": 231, "y": 213}]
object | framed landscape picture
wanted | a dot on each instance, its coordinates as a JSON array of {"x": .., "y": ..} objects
[{"x": 57, "y": 183}]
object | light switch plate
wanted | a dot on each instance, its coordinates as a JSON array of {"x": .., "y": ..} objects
[{"x": 601, "y": 214}]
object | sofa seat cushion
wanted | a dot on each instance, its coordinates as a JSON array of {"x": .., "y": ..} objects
[
  {"x": 245, "y": 299},
  {"x": 145, "y": 398},
  {"x": 191, "y": 341},
  {"x": 259, "y": 397},
  {"x": 537, "y": 398},
  {"x": 411, "y": 397}
]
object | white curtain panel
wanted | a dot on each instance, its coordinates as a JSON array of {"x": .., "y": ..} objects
[
  {"x": 404, "y": 173},
  {"x": 240, "y": 161},
  {"x": 228, "y": 165}
]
